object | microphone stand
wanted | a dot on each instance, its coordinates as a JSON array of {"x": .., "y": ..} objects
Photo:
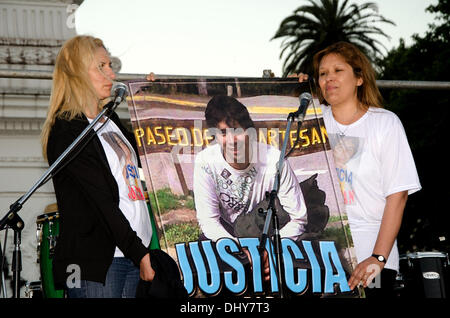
[
  {"x": 271, "y": 214},
  {"x": 14, "y": 221}
]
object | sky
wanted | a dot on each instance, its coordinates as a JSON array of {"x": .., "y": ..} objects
[{"x": 215, "y": 37}]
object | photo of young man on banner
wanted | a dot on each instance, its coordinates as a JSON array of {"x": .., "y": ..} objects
[{"x": 210, "y": 151}]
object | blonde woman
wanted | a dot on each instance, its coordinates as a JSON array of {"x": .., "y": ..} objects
[{"x": 103, "y": 233}]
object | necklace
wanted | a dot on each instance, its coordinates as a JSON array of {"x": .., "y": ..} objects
[{"x": 341, "y": 133}]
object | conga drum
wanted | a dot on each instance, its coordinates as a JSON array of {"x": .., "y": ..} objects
[{"x": 47, "y": 235}]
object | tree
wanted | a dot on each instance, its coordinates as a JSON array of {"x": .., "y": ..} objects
[
  {"x": 425, "y": 116},
  {"x": 321, "y": 23}
]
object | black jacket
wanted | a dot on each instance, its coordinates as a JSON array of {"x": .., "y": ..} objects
[
  {"x": 91, "y": 223},
  {"x": 167, "y": 282}
]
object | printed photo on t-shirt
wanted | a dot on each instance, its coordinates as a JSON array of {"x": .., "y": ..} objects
[
  {"x": 129, "y": 170},
  {"x": 347, "y": 155}
]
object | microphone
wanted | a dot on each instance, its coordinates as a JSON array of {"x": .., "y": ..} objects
[
  {"x": 119, "y": 91},
  {"x": 305, "y": 99}
]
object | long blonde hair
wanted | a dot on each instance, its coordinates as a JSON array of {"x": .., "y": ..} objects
[
  {"x": 72, "y": 89},
  {"x": 368, "y": 93}
]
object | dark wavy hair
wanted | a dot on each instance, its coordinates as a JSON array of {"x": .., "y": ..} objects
[{"x": 227, "y": 109}]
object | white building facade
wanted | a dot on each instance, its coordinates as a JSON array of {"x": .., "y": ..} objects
[{"x": 31, "y": 34}]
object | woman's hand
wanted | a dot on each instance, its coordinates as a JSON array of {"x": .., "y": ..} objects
[
  {"x": 302, "y": 77},
  {"x": 265, "y": 263},
  {"x": 151, "y": 77},
  {"x": 365, "y": 272},
  {"x": 146, "y": 271}
]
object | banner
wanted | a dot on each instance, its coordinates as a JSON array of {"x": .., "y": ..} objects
[{"x": 168, "y": 120}]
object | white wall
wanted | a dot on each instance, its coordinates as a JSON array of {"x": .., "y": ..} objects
[{"x": 31, "y": 33}]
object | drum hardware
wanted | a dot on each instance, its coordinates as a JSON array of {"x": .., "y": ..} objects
[
  {"x": 47, "y": 235},
  {"x": 51, "y": 239},
  {"x": 38, "y": 241},
  {"x": 425, "y": 274},
  {"x": 33, "y": 289}
]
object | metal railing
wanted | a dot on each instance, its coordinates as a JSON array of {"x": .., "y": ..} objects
[{"x": 425, "y": 85}]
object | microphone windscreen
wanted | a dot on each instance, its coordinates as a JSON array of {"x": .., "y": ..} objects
[
  {"x": 118, "y": 88},
  {"x": 305, "y": 96},
  {"x": 119, "y": 91}
]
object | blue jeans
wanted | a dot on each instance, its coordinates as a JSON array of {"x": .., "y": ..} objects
[{"x": 121, "y": 281}]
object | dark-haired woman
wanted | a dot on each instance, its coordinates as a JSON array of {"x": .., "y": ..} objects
[{"x": 375, "y": 166}]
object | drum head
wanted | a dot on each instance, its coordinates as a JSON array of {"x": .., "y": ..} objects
[
  {"x": 427, "y": 255},
  {"x": 47, "y": 217}
]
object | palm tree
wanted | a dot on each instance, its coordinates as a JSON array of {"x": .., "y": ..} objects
[{"x": 315, "y": 26}]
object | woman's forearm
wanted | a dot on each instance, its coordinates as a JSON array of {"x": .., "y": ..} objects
[{"x": 391, "y": 222}]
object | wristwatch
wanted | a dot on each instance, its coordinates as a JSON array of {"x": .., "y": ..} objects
[{"x": 380, "y": 258}]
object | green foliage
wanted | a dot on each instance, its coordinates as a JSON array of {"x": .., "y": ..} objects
[
  {"x": 320, "y": 23},
  {"x": 424, "y": 113},
  {"x": 425, "y": 116},
  {"x": 337, "y": 218},
  {"x": 165, "y": 200},
  {"x": 336, "y": 234},
  {"x": 184, "y": 232},
  {"x": 428, "y": 58}
]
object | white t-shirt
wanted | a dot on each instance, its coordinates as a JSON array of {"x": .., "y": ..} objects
[
  {"x": 373, "y": 160},
  {"x": 123, "y": 163},
  {"x": 222, "y": 191}
]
